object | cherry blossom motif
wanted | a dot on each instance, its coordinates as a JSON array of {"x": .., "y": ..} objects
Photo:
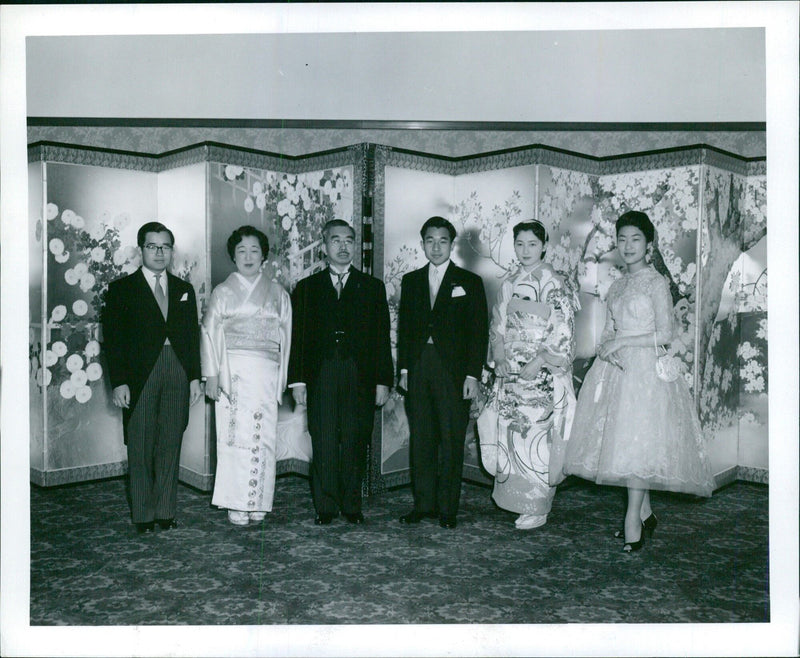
[
  {"x": 51, "y": 211},
  {"x": 67, "y": 216},
  {"x": 98, "y": 254},
  {"x": 248, "y": 204},
  {"x": 70, "y": 277},
  {"x": 58, "y": 313},
  {"x": 80, "y": 307},
  {"x": 78, "y": 222},
  {"x": 63, "y": 257},
  {"x": 94, "y": 371},
  {"x": 80, "y": 269},
  {"x": 286, "y": 223},
  {"x": 83, "y": 394},
  {"x": 292, "y": 211},
  {"x": 59, "y": 348},
  {"x": 261, "y": 201},
  {"x": 74, "y": 362},
  {"x": 92, "y": 349},
  {"x": 87, "y": 282},
  {"x": 43, "y": 377},
  {"x": 67, "y": 389},
  {"x": 258, "y": 188},
  {"x": 50, "y": 359},
  {"x": 78, "y": 378},
  {"x": 56, "y": 246}
]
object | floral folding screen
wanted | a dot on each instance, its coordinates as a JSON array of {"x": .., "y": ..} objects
[
  {"x": 86, "y": 205},
  {"x": 579, "y": 199}
]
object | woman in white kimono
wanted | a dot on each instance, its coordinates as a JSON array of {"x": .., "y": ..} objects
[
  {"x": 531, "y": 341},
  {"x": 246, "y": 337}
]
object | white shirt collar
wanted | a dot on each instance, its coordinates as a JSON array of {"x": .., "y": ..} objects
[
  {"x": 440, "y": 269},
  {"x": 337, "y": 270},
  {"x": 151, "y": 278}
]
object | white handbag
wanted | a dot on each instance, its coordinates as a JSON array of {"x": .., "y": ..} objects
[{"x": 668, "y": 366}]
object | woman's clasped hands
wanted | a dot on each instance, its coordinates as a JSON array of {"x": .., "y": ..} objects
[{"x": 608, "y": 351}]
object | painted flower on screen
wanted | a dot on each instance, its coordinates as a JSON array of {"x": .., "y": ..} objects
[
  {"x": 83, "y": 394},
  {"x": 58, "y": 313}
]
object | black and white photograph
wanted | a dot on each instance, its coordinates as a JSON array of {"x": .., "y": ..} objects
[{"x": 399, "y": 329}]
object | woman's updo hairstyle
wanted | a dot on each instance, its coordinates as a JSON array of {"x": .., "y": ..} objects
[
  {"x": 536, "y": 227},
  {"x": 639, "y": 220},
  {"x": 248, "y": 231}
]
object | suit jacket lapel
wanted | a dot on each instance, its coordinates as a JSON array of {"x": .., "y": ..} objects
[
  {"x": 351, "y": 285},
  {"x": 173, "y": 296}
]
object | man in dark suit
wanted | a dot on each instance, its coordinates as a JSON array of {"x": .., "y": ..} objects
[
  {"x": 152, "y": 344},
  {"x": 441, "y": 347},
  {"x": 340, "y": 366}
]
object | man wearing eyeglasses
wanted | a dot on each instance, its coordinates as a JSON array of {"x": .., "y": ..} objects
[{"x": 151, "y": 340}]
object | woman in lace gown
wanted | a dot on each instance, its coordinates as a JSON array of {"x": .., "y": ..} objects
[
  {"x": 246, "y": 337},
  {"x": 631, "y": 428},
  {"x": 532, "y": 346}
]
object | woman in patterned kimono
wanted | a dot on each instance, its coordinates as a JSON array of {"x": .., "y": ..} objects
[
  {"x": 632, "y": 428},
  {"x": 532, "y": 345},
  {"x": 246, "y": 337}
]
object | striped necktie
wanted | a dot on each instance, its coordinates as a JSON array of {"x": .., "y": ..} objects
[
  {"x": 339, "y": 285},
  {"x": 160, "y": 297}
]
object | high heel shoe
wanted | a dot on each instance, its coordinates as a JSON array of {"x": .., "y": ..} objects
[
  {"x": 632, "y": 546},
  {"x": 649, "y": 524}
]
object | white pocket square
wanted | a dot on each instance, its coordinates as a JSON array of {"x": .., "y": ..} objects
[
  {"x": 458, "y": 291},
  {"x": 185, "y": 297}
]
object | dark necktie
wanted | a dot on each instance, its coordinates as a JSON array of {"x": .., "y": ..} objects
[{"x": 160, "y": 297}]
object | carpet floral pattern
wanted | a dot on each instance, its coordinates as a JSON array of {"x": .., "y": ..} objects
[{"x": 706, "y": 563}]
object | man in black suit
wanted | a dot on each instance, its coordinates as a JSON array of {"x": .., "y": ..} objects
[
  {"x": 441, "y": 347},
  {"x": 340, "y": 366},
  {"x": 152, "y": 344}
]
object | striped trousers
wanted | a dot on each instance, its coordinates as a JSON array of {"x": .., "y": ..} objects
[{"x": 155, "y": 431}]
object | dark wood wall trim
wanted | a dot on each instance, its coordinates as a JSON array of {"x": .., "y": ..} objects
[{"x": 165, "y": 122}]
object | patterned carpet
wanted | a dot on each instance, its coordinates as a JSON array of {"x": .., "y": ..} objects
[{"x": 707, "y": 562}]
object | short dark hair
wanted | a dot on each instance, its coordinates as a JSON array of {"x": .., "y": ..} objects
[
  {"x": 248, "y": 231},
  {"x": 333, "y": 223},
  {"x": 438, "y": 222},
  {"x": 639, "y": 220},
  {"x": 536, "y": 227},
  {"x": 153, "y": 227}
]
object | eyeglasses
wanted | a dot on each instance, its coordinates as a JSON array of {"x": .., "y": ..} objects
[{"x": 155, "y": 248}]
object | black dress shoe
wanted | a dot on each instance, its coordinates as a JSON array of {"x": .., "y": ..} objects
[
  {"x": 355, "y": 517},
  {"x": 141, "y": 528},
  {"x": 415, "y": 517},
  {"x": 447, "y": 521},
  {"x": 323, "y": 519},
  {"x": 166, "y": 524}
]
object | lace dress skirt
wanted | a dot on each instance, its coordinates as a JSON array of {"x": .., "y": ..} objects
[{"x": 633, "y": 429}]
